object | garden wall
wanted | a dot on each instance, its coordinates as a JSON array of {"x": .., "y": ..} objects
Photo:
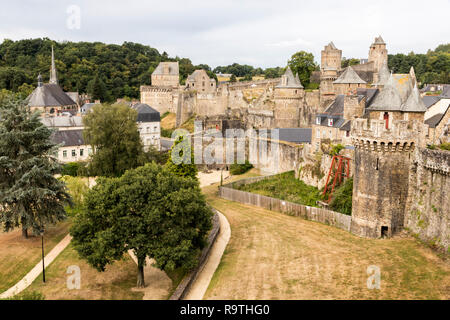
[{"x": 325, "y": 216}]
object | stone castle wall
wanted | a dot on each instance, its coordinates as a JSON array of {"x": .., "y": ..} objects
[{"x": 427, "y": 212}]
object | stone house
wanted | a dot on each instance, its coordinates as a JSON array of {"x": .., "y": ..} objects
[{"x": 201, "y": 82}]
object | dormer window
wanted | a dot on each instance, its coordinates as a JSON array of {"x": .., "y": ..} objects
[
  {"x": 318, "y": 120},
  {"x": 330, "y": 122}
]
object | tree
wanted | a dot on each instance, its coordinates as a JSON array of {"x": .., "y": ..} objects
[
  {"x": 233, "y": 78},
  {"x": 30, "y": 195},
  {"x": 302, "y": 63},
  {"x": 349, "y": 62},
  {"x": 181, "y": 159},
  {"x": 112, "y": 132},
  {"x": 98, "y": 89},
  {"x": 148, "y": 210}
]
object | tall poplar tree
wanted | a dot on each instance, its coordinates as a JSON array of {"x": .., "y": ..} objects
[{"x": 30, "y": 195}]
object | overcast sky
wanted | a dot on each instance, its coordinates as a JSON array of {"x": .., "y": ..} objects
[{"x": 256, "y": 32}]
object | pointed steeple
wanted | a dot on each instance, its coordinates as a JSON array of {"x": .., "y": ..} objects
[
  {"x": 414, "y": 103},
  {"x": 297, "y": 80},
  {"x": 412, "y": 74},
  {"x": 40, "y": 80},
  {"x": 383, "y": 74},
  {"x": 379, "y": 40},
  {"x": 53, "y": 77},
  {"x": 289, "y": 81}
]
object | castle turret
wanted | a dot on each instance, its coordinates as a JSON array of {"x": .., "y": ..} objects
[
  {"x": 378, "y": 55},
  {"x": 383, "y": 146},
  {"x": 288, "y": 98},
  {"x": 331, "y": 57},
  {"x": 348, "y": 81}
]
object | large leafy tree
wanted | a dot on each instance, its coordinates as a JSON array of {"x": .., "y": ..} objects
[
  {"x": 148, "y": 210},
  {"x": 112, "y": 132},
  {"x": 30, "y": 195},
  {"x": 302, "y": 63},
  {"x": 181, "y": 158}
]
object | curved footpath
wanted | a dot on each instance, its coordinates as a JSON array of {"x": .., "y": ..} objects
[
  {"x": 37, "y": 270},
  {"x": 199, "y": 287}
]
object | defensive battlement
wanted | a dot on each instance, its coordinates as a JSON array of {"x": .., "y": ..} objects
[{"x": 403, "y": 135}]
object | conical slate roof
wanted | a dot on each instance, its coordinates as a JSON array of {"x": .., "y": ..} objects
[
  {"x": 379, "y": 40},
  {"x": 289, "y": 81},
  {"x": 414, "y": 103},
  {"x": 383, "y": 74},
  {"x": 349, "y": 76},
  {"x": 332, "y": 46},
  {"x": 388, "y": 99}
]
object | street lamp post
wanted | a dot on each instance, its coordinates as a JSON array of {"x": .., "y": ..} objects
[{"x": 43, "y": 264}]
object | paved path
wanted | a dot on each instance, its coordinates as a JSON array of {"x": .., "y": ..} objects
[
  {"x": 37, "y": 270},
  {"x": 199, "y": 287}
]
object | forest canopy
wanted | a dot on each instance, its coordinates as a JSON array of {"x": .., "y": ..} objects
[{"x": 111, "y": 71}]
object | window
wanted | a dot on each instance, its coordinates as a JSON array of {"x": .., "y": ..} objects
[
  {"x": 386, "y": 120},
  {"x": 155, "y": 128},
  {"x": 74, "y": 153},
  {"x": 318, "y": 133},
  {"x": 148, "y": 129},
  {"x": 203, "y": 83},
  {"x": 65, "y": 154},
  {"x": 318, "y": 120},
  {"x": 330, "y": 122},
  {"x": 81, "y": 152},
  {"x": 347, "y": 133},
  {"x": 212, "y": 84}
]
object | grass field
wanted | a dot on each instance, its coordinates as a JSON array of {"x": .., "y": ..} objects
[
  {"x": 115, "y": 283},
  {"x": 285, "y": 187},
  {"x": 274, "y": 256},
  {"x": 18, "y": 256}
]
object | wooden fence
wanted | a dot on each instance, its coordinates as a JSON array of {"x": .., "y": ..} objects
[{"x": 325, "y": 216}]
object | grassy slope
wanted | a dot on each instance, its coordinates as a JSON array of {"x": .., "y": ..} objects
[
  {"x": 18, "y": 256},
  {"x": 285, "y": 187},
  {"x": 275, "y": 256}
]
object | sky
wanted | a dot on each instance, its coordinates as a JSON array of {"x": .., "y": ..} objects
[{"x": 256, "y": 32}]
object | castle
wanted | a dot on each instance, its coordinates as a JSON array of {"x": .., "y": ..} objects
[{"x": 380, "y": 117}]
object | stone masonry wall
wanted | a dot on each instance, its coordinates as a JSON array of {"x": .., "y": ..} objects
[{"x": 428, "y": 207}]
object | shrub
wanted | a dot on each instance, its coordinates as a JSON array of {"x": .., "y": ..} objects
[
  {"x": 70, "y": 169},
  {"x": 445, "y": 146},
  {"x": 342, "y": 198},
  {"x": 237, "y": 169}
]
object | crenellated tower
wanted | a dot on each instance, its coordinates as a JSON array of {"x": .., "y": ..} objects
[{"x": 383, "y": 150}]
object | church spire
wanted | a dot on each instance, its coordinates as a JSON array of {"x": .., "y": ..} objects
[{"x": 53, "y": 77}]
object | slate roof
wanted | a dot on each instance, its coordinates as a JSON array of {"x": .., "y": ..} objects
[
  {"x": 146, "y": 113},
  {"x": 196, "y": 72},
  {"x": 68, "y": 138},
  {"x": 49, "y": 95},
  {"x": 383, "y": 74},
  {"x": 349, "y": 76},
  {"x": 295, "y": 135},
  {"x": 430, "y": 100},
  {"x": 414, "y": 102},
  {"x": 86, "y": 107},
  {"x": 434, "y": 121},
  {"x": 173, "y": 68},
  {"x": 291, "y": 80},
  {"x": 395, "y": 94},
  {"x": 379, "y": 40},
  {"x": 337, "y": 107},
  {"x": 63, "y": 122},
  {"x": 347, "y": 126}
]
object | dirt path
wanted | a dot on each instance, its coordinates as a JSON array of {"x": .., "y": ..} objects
[
  {"x": 37, "y": 270},
  {"x": 198, "y": 289},
  {"x": 158, "y": 283}
]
